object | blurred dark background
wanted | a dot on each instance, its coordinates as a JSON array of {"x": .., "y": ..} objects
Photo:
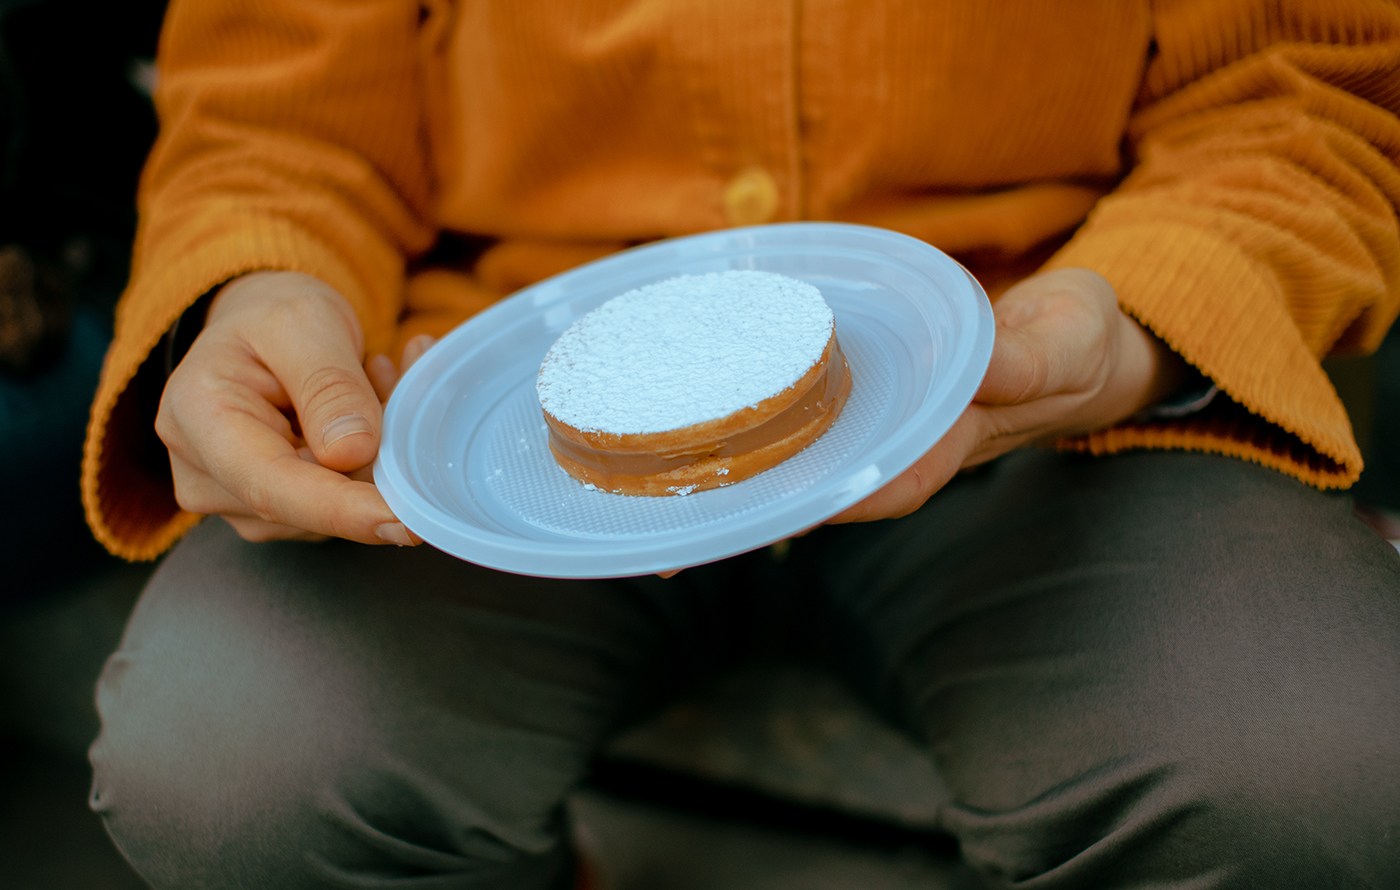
[{"x": 76, "y": 124}]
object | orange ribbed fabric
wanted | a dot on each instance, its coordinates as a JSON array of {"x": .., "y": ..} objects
[{"x": 1255, "y": 230}]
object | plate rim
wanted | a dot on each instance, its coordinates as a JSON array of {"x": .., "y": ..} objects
[{"x": 579, "y": 559}]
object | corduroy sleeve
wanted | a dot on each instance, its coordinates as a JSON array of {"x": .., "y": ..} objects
[
  {"x": 292, "y": 138},
  {"x": 1257, "y": 231}
]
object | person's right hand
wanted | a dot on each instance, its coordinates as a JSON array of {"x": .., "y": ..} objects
[{"x": 271, "y": 420}]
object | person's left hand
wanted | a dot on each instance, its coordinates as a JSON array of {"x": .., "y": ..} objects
[{"x": 1067, "y": 360}]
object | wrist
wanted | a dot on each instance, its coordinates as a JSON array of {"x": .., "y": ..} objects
[
  {"x": 1151, "y": 371},
  {"x": 181, "y": 336}
]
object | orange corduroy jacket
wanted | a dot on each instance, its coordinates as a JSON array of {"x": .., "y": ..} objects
[{"x": 1230, "y": 166}]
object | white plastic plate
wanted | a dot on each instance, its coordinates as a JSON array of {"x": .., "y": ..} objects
[{"x": 465, "y": 463}]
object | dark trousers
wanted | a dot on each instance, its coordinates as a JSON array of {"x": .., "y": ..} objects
[{"x": 1156, "y": 669}]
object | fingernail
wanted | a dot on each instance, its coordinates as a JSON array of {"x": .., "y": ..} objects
[
  {"x": 393, "y": 533},
  {"x": 349, "y": 425}
]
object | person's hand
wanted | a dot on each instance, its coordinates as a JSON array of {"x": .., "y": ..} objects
[
  {"x": 1067, "y": 360},
  {"x": 272, "y": 422}
]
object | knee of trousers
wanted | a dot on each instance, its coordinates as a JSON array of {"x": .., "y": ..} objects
[
  {"x": 1271, "y": 800},
  {"x": 262, "y": 771}
]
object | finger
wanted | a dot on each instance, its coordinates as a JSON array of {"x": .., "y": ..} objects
[
  {"x": 198, "y": 492},
  {"x": 382, "y": 375},
  {"x": 1019, "y": 370},
  {"x": 276, "y": 485},
  {"x": 363, "y": 474},
  {"x": 413, "y": 350},
  {"x": 909, "y": 490},
  {"x": 1050, "y": 336},
  {"x": 671, "y": 574},
  {"x": 218, "y": 376},
  {"x": 317, "y": 362}
]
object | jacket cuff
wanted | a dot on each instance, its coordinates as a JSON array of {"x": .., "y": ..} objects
[
  {"x": 128, "y": 493},
  {"x": 1224, "y": 314}
]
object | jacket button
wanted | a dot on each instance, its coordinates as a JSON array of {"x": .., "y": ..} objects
[{"x": 750, "y": 198}]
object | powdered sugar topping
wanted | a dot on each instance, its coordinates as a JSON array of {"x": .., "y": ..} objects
[{"x": 684, "y": 351}]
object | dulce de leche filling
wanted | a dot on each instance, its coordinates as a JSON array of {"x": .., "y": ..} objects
[{"x": 827, "y": 393}]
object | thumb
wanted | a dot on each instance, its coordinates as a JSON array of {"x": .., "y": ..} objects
[
  {"x": 1051, "y": 336},
  {"x": 1019, "y": 370},
  {"x": 337, "y": 406}
]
